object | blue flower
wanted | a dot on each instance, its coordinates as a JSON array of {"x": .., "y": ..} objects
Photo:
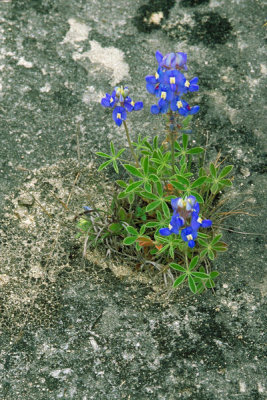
[
  {"x": 165, "y": 95},
  {"x": 154, "y": 79},
  {"x": 175, "y": 79},
  {"x": 87, "y": 208},
  {"x": 172, "y": 60},
  {"x": 163, "y": 108},
  {"x": 177, "y": 104},
  {"x": 130, "y": 105},
  {"x": 119, "y": 114},
  {"x": 197, "y": 222},
  {"x": 184, "y": 207},
  {"x": 183, "y": 108},
  {"x": 189, "y": 235},
  {"x": 175, "y": 224},
  {"x": 122, "y": 102},
  {"x": 109, "y": 100},
  {"x": 191, "y": 86}
]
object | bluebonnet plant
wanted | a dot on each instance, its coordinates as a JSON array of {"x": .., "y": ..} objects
[{"x": 162, "y": 175}]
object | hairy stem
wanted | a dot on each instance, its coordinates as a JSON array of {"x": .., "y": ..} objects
[{"x": 130, "y": 144}]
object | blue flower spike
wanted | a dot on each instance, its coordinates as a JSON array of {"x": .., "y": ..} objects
[
  {"x": 122, "y": 102},
  {"x": 185, "y": 210},
  {"x": 169, "y": 84}
]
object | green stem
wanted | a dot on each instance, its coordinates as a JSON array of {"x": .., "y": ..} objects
[
  {"x": 186, "y": 261},
  {"x": 189, "y": 162},
  {"x": 172, "y": 151},
  {"x": 130, "y": 144},
  {"x": 171, "y": 134}
]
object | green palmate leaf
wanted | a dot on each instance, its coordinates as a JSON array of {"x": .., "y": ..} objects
[
  {"x": 200, "y": 275},
  {"x": 178, "y": 185},
  {"x": 178, "y": 267},
  {"x": 155, "y": 142},
  {"x": 201, "y": 172},
  {"x": 220, "y": 247},
  {"x": 198, "y": 182},
  {"x": 131, "y": 230},
  {"x": 129, "y": 240},
  {"x": 183, "y": 180},
  {"x": 226, "y": 182},
  {"x": 152, "y": 224},
  {"x": 202, "y": 242},
  {"x": 159, "y": 215},
  {"x": 122, "y": 195},
  {"x": 116, "y": 227},
  {"x": 186, "y": 121},
  {"x": 123, "y": 216},
  {"x": 148, "y": 145},
  {"x": 120, "y": 152},
  {"x": 169, "y": 198},
  {"x": 179, "y": 280},
  {"x": 213, "y": 170},
  {"x": 105, "y": 164},
  {"x": 203, "y": 235},
  {"x": 121, "y": 183},
  {"x": 115, "y": 166},
  {"x": 171, "y": 252},
  {"x": 214, "y": 188},
  {"x": 225, "y": 171},
  {"x": 166, "y": 210},
  {"x": 142, "y": 230},
  {"x": 193, "y": 263},
  {"x": 200, "y": 287},
  {"x": 133, "y": 186},
  {"x": 211, "y": 255},
  {"x": 134, "y": 171},
  {"x": 198, "y": 197},
  {"x": 145, "y": 165},
  {"x": 182, "y": 161},
  {"x": 148, "y": 187},
  {"x": 112, "y": 148},
  {"x": 177, "y": 146},
  {"x": 191, "y": 284},
  {"x": 83, "y": 224},
  {"x": 137, "y": 246},
  {"x": 163, "y": 249},
  {"x": 99, "y": 153},
  {"x": 153, "y": 178},
  {"x": 185, "y": 141},
  {"x": 153, "y": 205},
  {"x": 203, "y": 253},
  {"x": 216, "y": 239},
  {"x": 131, "y": 198},
  {"x": 210, "y": 283},
  {"x": 159, "y": 189},
  {"x": 214, "y": 274},
  {"x": 148, "y": 195},
  {"x": 195, "y": 150}
]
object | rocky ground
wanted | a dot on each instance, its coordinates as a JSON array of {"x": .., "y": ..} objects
[{"x": 76, "y": 328}]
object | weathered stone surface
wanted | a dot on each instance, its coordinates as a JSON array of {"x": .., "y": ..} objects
[
  {"x": 69, "y": 327},
  {"x": 25, "y": 199}
]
